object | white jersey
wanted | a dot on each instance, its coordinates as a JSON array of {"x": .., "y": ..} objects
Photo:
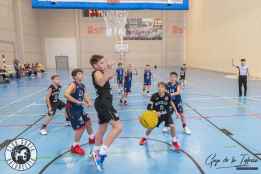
[{"x": 243, "y": 70}]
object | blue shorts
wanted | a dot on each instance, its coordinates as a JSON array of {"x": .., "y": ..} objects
[
  {"x": 78, "y": 118},
  {"x": 179, "y": 107},
  {"x": 127, "y": 87},
  {"x": 147, "y": 82}
]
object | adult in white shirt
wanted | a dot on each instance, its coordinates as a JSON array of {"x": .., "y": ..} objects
[{"x": 243, "y": 73}]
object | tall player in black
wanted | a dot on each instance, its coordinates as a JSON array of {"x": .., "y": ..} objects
[
  {"x": 102, "y": 74},
  {"x": 53, "y": 102}
]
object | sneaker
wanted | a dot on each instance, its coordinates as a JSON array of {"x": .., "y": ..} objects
[
  {"x": 77, "y": 150},
  {"x": 187, "y": 130},
  {"x": 121, "y": 101},
  {"x": 68, "y": 123},
  {"x": 143, "y": 141},
  {"x": 92, "y": 140},
  {"x": 43, "y": 132},
  {"x": 165, "y": 130},
  {"x": 125, "y": 102},
  {"x": 175, "y": 146},
  {"x": 97, "y": 160}
]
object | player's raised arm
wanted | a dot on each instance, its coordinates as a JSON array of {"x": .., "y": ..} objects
[{"x": 233, "y": 64}]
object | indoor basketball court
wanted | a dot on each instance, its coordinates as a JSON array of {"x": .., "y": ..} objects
[{"x": 160, "y": 86}]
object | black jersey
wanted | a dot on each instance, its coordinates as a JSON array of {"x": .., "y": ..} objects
[
  {"x": 160, "y": 104},
  {"x": 183, "y": 71},
  {"x": 54, "y": 98},
  {"x": 102, "y": 91}
]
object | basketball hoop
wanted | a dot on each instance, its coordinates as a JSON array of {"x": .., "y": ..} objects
[{"x": 115, "y": 21}]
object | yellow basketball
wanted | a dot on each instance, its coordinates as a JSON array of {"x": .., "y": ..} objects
[{"x": 149, "y": 119}]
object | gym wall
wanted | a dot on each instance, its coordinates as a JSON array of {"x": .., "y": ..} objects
[
  {"x": 61, "y": 25},
  {"x": 40, "y": 35},
  {"x": 221, "y": 30},
  {"x": 19, "y": 32},
  {"x": 7, "y": 30}
]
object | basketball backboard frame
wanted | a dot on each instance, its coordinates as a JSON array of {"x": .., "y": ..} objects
[{"x": 104, "y": 5}]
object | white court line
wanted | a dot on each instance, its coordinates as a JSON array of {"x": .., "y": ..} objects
[
  {"x": 18, "y": 111},
  {"x": 217, "y": 97},
  {"x": 22, "y": 98},
  {"x": 217, "y": 107},
  {"x": 89, "y": 112},
  {"x": 130, "y": 102},
  {"x": 254, "y": 99}
]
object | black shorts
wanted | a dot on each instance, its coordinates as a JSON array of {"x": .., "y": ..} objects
[
  {"x": 179, "y": 107},
  {"x": 106, "y": 112},
  {"x": 167, "y": 118},
  {"x": 57, "y": 105},
  {"x": 78, "y": 118},
  {"x": 182, "y": 77}
]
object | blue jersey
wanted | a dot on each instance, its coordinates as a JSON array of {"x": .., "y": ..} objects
[
  {"x": 78, "y": 95},
  {"x": 128, "y": 79},
  {"x": 147, "y": 77},
  {"x": 172, "y": 88},
  {"x": 120, "y": 73}
]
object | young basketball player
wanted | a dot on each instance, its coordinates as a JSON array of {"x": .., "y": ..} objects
[
  {"x": 147, "y": 80},
  {"x": 102, "y": 74},
  {"x": 53, "y": 102},
  {"x": 161, "y": 102},
  {"x": 182, "y": 78},
  {"x": 77, "y": 98},
  {"x": 127, "y": 84},
  {"x": 174, "y": 89},
  {"x": 120, "y": 76}
]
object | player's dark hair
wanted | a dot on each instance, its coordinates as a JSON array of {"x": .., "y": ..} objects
[
  {"x": 76, "y": 71},
  {"x": 120, "y": 64},
  {"x": 173, "y": 73},
  {"x": 147, "y": 65},
  {"x": 243, "y": 60},
  {"x": 95, "y": 59},
  {"x": 54, "y": 76}
]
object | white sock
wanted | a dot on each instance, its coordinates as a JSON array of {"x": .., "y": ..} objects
[
  {"x": 96, "y": 148},
  {"x": 174, "y": 139},
  {"x": 103, "y": 150},
  {"x": 76, "y": 143},
  {"x": 92, "y": 136}
]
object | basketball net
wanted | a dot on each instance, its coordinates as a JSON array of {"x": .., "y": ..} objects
[{"x": 115, "y": 21}]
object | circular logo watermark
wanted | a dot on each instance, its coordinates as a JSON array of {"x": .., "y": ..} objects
[{"x": 21, "y": 154}]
